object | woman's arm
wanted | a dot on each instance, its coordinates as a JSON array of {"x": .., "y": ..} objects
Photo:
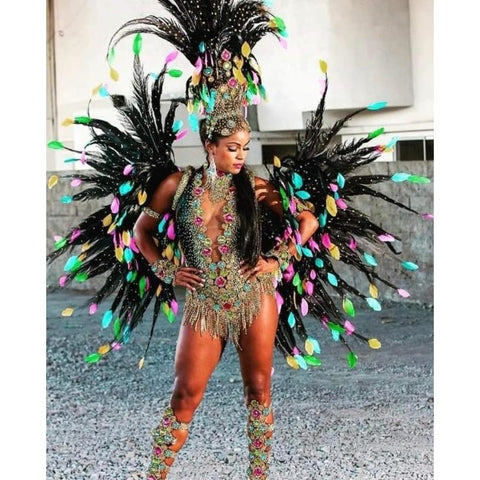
[
  {"x": 144, "y": 232},
  {"x": 308, "y": 224},
  {"x": 146, "y": 225},
  {"x": 270, "y": 197}
]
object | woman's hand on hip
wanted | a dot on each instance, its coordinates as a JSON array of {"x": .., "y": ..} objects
[
  {"x": 189, "y": 277},
  {"x": 264, "y": 265}
]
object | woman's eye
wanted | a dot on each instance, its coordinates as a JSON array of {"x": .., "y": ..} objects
[{"x": 232, "y": 149}]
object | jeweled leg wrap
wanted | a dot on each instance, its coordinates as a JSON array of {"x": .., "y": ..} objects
[
  {"x": 259, "y": 443},
  {"x": 163, "y": 439}
]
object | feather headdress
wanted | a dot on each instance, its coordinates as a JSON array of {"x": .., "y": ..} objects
[{"x": 217, "y": 37}]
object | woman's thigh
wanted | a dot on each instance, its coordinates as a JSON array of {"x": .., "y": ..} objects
[
  {"x": 257, "y": 344},
  {"x": 197, "y": 354}
]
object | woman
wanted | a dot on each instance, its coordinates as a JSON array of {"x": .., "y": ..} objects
[
  {"x": 227, "y": 268},
  {"x": 220, "y": 304}
]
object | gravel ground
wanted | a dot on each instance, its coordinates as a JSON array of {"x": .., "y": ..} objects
[{"x": 332, "y": 423}]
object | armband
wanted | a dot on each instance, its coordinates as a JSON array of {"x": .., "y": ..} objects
[
  {"x": 151, "y": 213},
  {"x": 282, "y": 254},
  {"x": 164, "y": 269}
]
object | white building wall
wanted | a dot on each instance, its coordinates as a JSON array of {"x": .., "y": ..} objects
[{"x": 376, "y": 50}]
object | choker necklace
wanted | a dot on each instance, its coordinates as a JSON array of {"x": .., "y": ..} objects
[{"x": 217, "y": 186}]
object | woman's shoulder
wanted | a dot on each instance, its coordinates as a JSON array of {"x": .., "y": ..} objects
[{"x": 173, "y": 180}]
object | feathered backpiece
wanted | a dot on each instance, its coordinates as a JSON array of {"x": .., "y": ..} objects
[
  {"x": 321, "y": 177},
  {"x": 217, "y": 37}
]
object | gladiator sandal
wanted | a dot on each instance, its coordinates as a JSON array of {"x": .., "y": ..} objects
[
  {"x": 163, "y": 439},
  {"x": 259, "y": 434}
]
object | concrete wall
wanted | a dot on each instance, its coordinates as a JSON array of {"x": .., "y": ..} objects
[{"x": 376, "y": 50}]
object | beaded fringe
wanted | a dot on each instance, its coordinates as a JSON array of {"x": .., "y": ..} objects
[{"x": 227, "y": 324}]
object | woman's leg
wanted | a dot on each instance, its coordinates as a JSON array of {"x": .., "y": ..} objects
[
  {"x": 256, "y": 361},
  {"x": 195, "y": 360}
]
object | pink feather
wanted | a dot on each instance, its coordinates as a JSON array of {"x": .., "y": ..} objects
[
  {"x": 349, "y": 327},
  {"x": 304, "y": 307},
  {"x": 174, "y": 306},
  {"x": 326, "y": 240},
  {"x": 128, "y": 169},
  {"x": 171, "y": 56},
  {"x": 133, "y": 245},
  {"x": 279, "y": 300},
  {"x": 403, "y": 293},
  {"x": 181, "y": 134},
  {"x": 93, "y": 308},
  {"x": 386, "y": 237},
  {"x": 115, "y": 206},
  {"x": 171, "y": 231}
]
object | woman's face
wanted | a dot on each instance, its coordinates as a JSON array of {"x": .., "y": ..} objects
[{"x": 230, "y": 152}]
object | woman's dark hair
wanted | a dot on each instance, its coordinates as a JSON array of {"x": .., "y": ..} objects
[{"x": 249, "y": 234}]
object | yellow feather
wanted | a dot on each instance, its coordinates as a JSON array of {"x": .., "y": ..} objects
[
  {"x": 323, "y": 66},
  {"x": 142, "y": 197},
  {"x": 374, "y": 343},
  {"x": 126, "y": 237},
  {"x": 141, "y": 362},
  {"x": 96, "y": 89},
  {"x": 331, "y": 206},
  {"x": 107, "y": 220},
  {"x": 67, "y": 312},
  {"x": 292, "y": 362},
  {"x": 239, "y": 75},
  {"x": 67, "y": 122},
  {"x": 112, "y": 227},
  {"x": 246, "y": 50},
  {"x": 102, "y": 350},
  {"x": 195, "y": 79},
  {"x": 119, "y": 254},
  {"x": 52, "y": 181},
  {"x": 277, "y": 162},
  {"x": 373, "y": 290},
  {"x": 159, "y": 290},
  {"x": 113, "y": 74},
  {"x": 238, "y": 62},
  {"x": 334, "y": 252},
  {"x": 168, "y": 252},
  {"x": 309, "y": 347}
]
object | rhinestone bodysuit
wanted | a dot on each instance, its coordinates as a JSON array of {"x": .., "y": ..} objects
[{"x": 227, "y": 303}]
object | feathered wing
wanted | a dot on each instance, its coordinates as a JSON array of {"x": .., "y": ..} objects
[
  {"x": 217, "y": 37},
  {"x": 322, "y": 176},
  {"x": 127, "y": 164}
]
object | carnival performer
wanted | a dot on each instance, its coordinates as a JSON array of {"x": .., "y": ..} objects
[
  {"x": 255, "y": 255},
  {"x": 230, "y": 284}
]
